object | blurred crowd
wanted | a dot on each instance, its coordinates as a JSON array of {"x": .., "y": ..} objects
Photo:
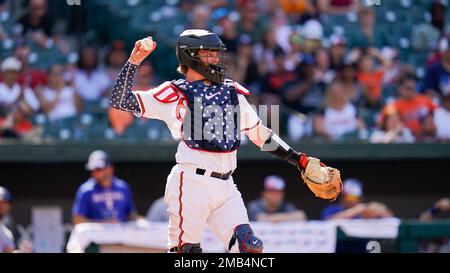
[{"x": 339, "y": 85}]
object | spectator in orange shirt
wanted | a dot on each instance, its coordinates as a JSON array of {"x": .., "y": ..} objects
[
  {"x": 370, "y": 77},
  {"x": 296, "y": 7},
  {"x": 391, "y": 129},
  {"x": 121, "y": 120},
  {"x": 416, "y": 111}
]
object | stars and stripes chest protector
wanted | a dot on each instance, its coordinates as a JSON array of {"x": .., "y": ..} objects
[{"x": 212, "y": 120}]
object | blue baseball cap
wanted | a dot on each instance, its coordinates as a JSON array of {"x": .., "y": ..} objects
[
  {"x": 274, "y": 182},
  {"x": 353, "y": 187},
  {"x": 98, "y": 160},
  {"x": 5, "y": 195}
]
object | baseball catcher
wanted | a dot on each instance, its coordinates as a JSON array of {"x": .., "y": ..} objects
[{"x": 208, "y": 113}]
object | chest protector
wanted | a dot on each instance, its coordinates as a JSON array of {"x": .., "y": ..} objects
[{"x": 211, "y": 122}]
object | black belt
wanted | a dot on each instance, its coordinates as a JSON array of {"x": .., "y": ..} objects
[{"x": 223, "y": 176}]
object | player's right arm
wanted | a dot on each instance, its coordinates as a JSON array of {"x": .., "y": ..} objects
[{"x": 122, "y": 97}]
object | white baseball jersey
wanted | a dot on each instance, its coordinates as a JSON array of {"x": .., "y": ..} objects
[
  {"x": 167, "y": 104},
  {"x": 205, "y": 120}
]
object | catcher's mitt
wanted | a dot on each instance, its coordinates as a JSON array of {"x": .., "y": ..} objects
[{"x": 325, "y": 182}]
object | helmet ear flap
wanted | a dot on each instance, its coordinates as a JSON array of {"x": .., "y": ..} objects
[{"x": 191, "y": 58}]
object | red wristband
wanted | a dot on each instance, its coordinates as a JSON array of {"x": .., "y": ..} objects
[{"x": 303, "y": 161}]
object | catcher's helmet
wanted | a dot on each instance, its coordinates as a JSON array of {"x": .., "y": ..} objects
[
  {"x": 5, "y": 195},
  {"x": 192, "y": 40}
]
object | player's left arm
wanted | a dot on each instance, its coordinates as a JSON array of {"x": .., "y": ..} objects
[
  {"x": 324, "y": 181},
  {"x": 269, "y": 141},
  {"x": 265, "y": 138}
]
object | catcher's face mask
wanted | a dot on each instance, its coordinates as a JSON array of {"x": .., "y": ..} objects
[
  {"x": 211, "y": 63},
  {"x": 204, "y": 52}
]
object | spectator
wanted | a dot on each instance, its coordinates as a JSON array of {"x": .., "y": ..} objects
[
  {"x": 115, "y": 58},
  {"x": 38, "y": 23},
  {"x": 425, "y": 36},
  {"x": 441, "y": 206},
  {"x": 439, "y": 210},
  {"x": 416, "y": 111},
  {"x": 366, "y": 34},
  {"x": 216, "y": 4},
  {"x": 297, "y": 7},
  {"x": 271, "y": 206},
  {"x": 295, "y": 54},
  {"x": 306, "y": 93},
  {"x": 395, "y": 69},
  {"x": 312, "y": 32},
  {"x": 227, "y": 30},
  {"x": 392, "y": 129},
  {"x": 58, "y": 101},
  {"x": 145, "y": 78},
  {"x": 243, "y": 66},
  {"x": 7, "y": 244},
  {"x": 442, "y": 118},
  {"x": 337, "y": 6},
  {"x": 273, "y": 82},
  {"x": 371, "y": 77},
  {"x": 351, "y": 204},
  {"x": 5, "y": 18},
  {"x": 251, "y": 23},
  {"x": 7, "y": 241},
  {"x": 338, "y": 48},
  {"x": 91, "y": 82},
  {"x": 158, "y": 211},
  {"x": 29, "y": 76},
  {"x": 339, "y": 118},
  {"x": 353, "y": 89},
  {"x": 322, "y": 71},
  {"x": 186, "y": 6},
  {"x": 16, "y": 103},
  {"x": 11, "y": 93},
  {"x": 437, "y": 76},
  {"x": 265, "y": 52},
  {"x": 201, "y": 15},
  {"x": 104, "y": 197}
]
